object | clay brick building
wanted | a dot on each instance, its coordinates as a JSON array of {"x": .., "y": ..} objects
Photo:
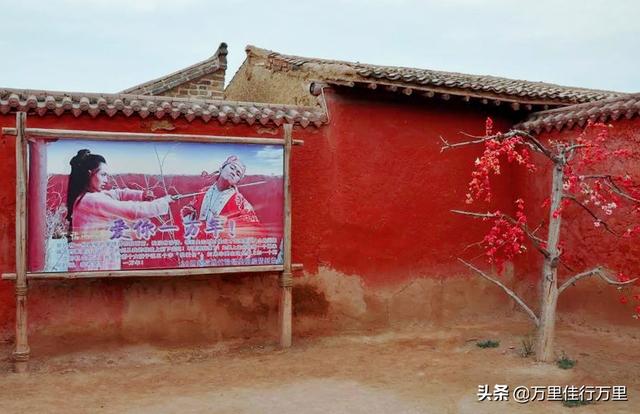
[
  {"x": 204, "y": 80},
  {"x": 386, "y": 191},
  {"x": 268, "y": 76},
  {"x": 371, "y": 195},
  {"x": 79, "y": 312}
]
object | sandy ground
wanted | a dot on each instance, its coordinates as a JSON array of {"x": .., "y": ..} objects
[{"x": 414, "y": 369}]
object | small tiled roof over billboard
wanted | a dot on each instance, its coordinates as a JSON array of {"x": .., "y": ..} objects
[
  {"x": 94, "y": 104},
  {"x": 203, "y": 80},
  {"x": 411, "y": 81}
]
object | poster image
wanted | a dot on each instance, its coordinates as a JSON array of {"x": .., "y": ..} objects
[{"x": 114, "y": 205}]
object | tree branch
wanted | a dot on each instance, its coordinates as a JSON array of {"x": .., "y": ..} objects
[
  {"x": 541, "y": 147},
  {"x": 608, "y": 181},
  {"x": 612, "y": 185},
  {"x": 573, "y": 147},
  {"x": 508, "y": 291},
  {"x": 446, "y": 145},
  {"x": 566, "y": 266},
  {"x": 479, "y": 243},
  {"x": 534, "y": 231},
  {"x": 591, "y": 213},
  {"x": 598, "y": 271},
  {"x": 531, "y": 141},
  {"x": 537, "y": 241}
]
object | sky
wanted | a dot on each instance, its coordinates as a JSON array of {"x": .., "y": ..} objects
[
  {"x": 110, "y": 45},
  {"x": 178, "y": 158}
]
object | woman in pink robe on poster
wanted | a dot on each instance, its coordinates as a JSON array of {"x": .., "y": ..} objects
[{"x": 94, "y": 213}]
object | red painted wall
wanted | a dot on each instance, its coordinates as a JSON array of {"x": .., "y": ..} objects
[
  {"x": 374, "y": 197},
  {"x": 371, "y": 224},
  {"x": 157, "y": 309}
]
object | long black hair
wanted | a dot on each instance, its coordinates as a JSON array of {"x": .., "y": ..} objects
[{"x": 82, "y": 165}]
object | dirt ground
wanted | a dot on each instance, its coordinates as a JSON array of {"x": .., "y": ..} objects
[{"x": 413, "y": 369}]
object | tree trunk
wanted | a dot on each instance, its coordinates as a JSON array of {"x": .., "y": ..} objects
[
  {"x": 549, "y": 300},
  {"x": 549, "y": 283}
]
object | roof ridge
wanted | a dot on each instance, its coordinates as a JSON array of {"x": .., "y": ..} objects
[
  {"x": 525, "y": 91},
  {"x": 162, "y": 84}
]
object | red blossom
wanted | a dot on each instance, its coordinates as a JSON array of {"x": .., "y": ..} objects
[
  {"x": 589, "y": 165},
  {"x": 596, "y": 192},
  {"x": 512, "y": 148},
  {"x": 505, "y": 239},
  {"x": 623, "y": 278},
  {"x": 563, "y": 204},
  {"x": 488, "y": 127}
]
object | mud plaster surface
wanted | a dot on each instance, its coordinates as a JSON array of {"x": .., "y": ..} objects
[
  {"x": 331, "y": 301},
  {"x": 414, "y": 369},
  {"x": 72, "y": 316}
]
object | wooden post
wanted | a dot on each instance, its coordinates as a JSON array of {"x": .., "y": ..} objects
[
  {"x": 21, "y": 353},
  {"x": 58, "y": 134},
  {"x": 286, "y": 279}
]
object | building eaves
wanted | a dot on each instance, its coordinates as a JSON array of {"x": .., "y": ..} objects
[
  {"x": 160, "y": 85},
  {"x": 568, "y": 117},
  {"x": 430, "y": 83},
  {"x": 45, "y": 102}
]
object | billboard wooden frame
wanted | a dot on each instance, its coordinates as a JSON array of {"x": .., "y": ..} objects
[{"x": 21, "y": 276}]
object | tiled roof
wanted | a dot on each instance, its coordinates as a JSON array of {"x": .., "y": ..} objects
[
  {"x": 165, "y": 83},
  {"x": 604, "y": 111},
  {"x": 431, "y": 82},
  {"x": 93, "y": 104}
]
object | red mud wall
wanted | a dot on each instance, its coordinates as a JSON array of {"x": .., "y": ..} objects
[
  {"x": 371, "y": 224},
  {"x": 73, "y": 313},
  {"x": 589, "y": 301},
  {"x": 371, "y": 213},
  {"x": 381, "y": 190}
]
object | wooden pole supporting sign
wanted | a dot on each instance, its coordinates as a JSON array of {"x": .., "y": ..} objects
[
  {"x": 21, "y": 353},
  {"x": 21, "y": 276},
  {"x": 286, "y": 279}
]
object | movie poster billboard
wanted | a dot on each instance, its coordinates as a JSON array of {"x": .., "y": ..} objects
[{"x": 129, "y": 205}]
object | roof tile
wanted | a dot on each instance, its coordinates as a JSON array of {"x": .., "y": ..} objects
[
  {"x": 360, "y": 74},
  {"x": 43, "y": 102},
  {"x": 570, "y": 116}
]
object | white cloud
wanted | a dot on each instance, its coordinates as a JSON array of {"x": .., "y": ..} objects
[
  {"x": 270, "y": 153},
  {"x": 271, "y": 156}
]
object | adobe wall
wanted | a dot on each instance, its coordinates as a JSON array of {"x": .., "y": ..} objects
[
  {"x": 379, "y": 242},
  {"x": 372, "y": 195},
  {"x": 381, "y": 245},
  {"x": 371, "y": 224},
  {"x": 68, "y": 314},
  {"x": 255, "y": 83}
]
